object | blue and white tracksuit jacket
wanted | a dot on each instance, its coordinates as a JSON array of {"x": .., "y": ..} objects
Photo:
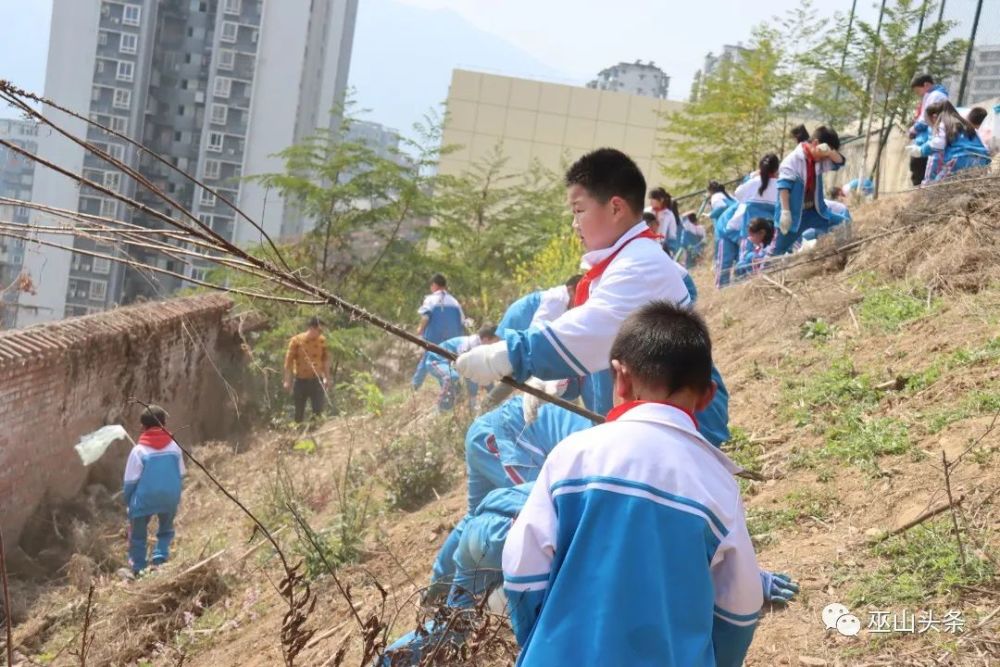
[
  {"x": 948, "y": 158},
  {"x": 670, "y": 229},
  {"x": 921, "y": 129},
  {"x": 733, "y": 224},
  {"x": 632, "y": 549},
  {"x": 445, "y": 317},
  {"x": 152, "y": 480},
  {"x": 442, "y": 370},
  {"x": 792, "y": 177},
  {"x": 520, "y": 313},
  {"x": 534, "y": 309},
  {"x": 578, "y": 343},
  {"x": 445, "y": 320}
]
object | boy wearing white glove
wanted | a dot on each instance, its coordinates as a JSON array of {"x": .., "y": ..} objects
[{"x": 606, "y": 192}]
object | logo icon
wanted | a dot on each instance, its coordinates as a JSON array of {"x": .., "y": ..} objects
[{"x": 838, "y": 617}]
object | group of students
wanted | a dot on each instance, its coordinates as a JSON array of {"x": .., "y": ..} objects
[
  {"x": 776, "y": 207},
  {"x": 944, "y": 141},
  {"x": 619, "y": 543}
]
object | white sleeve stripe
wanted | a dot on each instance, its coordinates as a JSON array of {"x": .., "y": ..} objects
[
  {"x": 639, "y": 493},
  {"x": 554, "y": 342},
  {"x": 742, "y": 624},
  {"x": 530, "y": 586}
]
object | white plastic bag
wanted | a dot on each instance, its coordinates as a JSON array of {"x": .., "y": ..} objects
[{"x": 93, "y": 445}]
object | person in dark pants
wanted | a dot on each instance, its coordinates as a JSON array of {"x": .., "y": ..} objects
[{"x": 308, "y": 364}]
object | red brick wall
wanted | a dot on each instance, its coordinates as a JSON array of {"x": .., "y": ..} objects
[{"x": 62, "y": 380}]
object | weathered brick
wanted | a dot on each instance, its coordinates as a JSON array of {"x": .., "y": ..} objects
[{"x": 62, "y": 380}]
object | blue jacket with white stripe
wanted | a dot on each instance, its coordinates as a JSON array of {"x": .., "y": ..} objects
[{"x": 583, "y": 589}]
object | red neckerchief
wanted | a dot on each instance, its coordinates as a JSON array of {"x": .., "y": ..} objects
[
  {"x": 583, "y": 287},
  {"x": 619, "y": 410},
  {"x": 155, "y": 437},
  {"x": 810, "y": 170}
]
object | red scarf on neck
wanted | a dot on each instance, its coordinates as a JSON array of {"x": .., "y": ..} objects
[
  {"x": 810, "y": 171},
  {"x": 619, "y": 410},
  {"x": 155, "y": 437},
  {"x": 583, "y": 287}
]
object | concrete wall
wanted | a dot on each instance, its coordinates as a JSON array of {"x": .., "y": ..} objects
[
  {"x": 551, "y": 123},
  {"x": 63, "y": 380}
]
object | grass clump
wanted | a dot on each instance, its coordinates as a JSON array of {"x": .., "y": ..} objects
[
  {"x": 817, "y": 329},
  {"x": 416, "y": 470},
  {"x": 921, "y": 564},
  {"x": 888, "y": 307},
  {"x": 796, "y": 506}
]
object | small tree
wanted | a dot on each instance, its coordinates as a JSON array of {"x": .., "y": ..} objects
[
  {"x": 882, "y": 60},
  {"x": 489, "y": 219},
  {"x": 734, "y": 120}
]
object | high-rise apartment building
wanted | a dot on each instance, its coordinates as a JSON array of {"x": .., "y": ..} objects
[
  {"x": 638, "y": 78},
  {"x": 216, "y": 87},
  {"x": 16, "y": 175}
]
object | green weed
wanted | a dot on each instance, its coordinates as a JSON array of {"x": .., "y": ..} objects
[
  {"x": 763, "y": 524},
  {"x": 837, "y": 386},
  {"x": 889, "y": 307},
  {"x": 976, "y": 403},
  {"x": 817, "y": 329},
  {"x": 417, "y": 465},
  {"x": 921, "y": 564},
  {"x": 859, "y": 439}
]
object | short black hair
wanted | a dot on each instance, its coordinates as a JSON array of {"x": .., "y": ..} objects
[
  {"x": 607, "y": 173},
  {"x": 921, "y": 79},
  {"x": 488, "y": 330},
  {"x": 800, "y": 133},
  {"x": 153, "y": 416},
  {"x": 648, "y": 217},
  {"x": 666, "y": 347},
  {"x": 827, "y": 135},
  {"x": 439, "y": 280},
  {"x": 977, "y": 115},
  {"x": 763, "y": 225},
  {"x": 314, "y": 321},
  {"x": 572, "y": 282}
]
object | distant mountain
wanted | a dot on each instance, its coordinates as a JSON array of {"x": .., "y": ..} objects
[{"x": 403, "y": 57}]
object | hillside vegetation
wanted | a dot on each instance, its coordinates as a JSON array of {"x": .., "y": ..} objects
[{"x": 865, "y": 388}]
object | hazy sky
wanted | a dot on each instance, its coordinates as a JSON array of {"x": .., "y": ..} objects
[
  {"x": 582, "y": 37},
  {"x": 572, "y": 39}
]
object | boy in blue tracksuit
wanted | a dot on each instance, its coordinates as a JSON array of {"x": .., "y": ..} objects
[
  {"x": 476, "y": 570},
  {"x": 152, "y": 487},
  {"x": 632, "y": 546},
  {"x": 801, "y": 198},
  {"x": 627, "y": 269},
  {"x": 440, "y": 368},
  {"x": 441, "y": 316},
  {"x": 929, "y": 92}
]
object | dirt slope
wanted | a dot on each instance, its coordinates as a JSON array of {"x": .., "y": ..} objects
[{"x": 849, "y": 376}]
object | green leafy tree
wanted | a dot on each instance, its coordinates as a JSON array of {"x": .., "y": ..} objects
[
  {"x": 488, "y": 220},
  {"x": 734, "y": 120},
  {"x": 880, "y": 62}
]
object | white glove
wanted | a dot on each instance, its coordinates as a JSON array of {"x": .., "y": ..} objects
[
  {"x": 531, "y": 404},
  {"x": 485, "y": 364},
  {"x": 914, "y": 150},
  {"x": 785, "y": 222}
]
